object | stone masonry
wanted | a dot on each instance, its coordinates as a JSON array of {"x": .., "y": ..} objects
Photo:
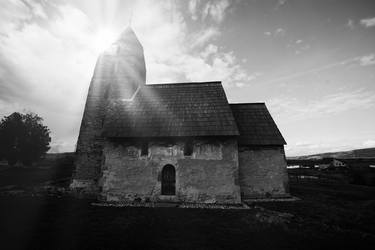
[{"x": 209, "y": 175}]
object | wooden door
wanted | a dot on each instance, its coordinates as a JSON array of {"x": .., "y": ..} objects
[{"x": 168, "y": 180}]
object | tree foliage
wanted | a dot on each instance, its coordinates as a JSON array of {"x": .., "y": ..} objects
[{"x": 23, "y": 138}]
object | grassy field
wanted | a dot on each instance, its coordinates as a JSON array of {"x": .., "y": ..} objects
[{"x": 329, "y": 215}]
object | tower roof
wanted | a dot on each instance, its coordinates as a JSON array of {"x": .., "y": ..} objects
[
  {"x": 121, "y": 68},
  {"x": 128, "y": 36}
]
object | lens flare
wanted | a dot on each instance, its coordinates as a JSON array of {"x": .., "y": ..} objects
[{"x": 103, "y": 40}]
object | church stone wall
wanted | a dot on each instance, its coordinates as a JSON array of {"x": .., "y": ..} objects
[
  {"x": 209, "y": 175},
  {"x": 263, "y": 172},
  {"x": 90, "y": 142}
]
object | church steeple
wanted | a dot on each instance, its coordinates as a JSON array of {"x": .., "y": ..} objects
[
  {"x": 128, "y": 36},
  {"x": 122, "y": 66},
  {"x": 119, "y": 72}
]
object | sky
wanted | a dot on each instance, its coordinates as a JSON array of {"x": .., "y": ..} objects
[{"x": 311, "y": 62}]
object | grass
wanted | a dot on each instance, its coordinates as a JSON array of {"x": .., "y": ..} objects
[
  {"x": 329, "y": 215},
  {"x": 47, "y": 170}
]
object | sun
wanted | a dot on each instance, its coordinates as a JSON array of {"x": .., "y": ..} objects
[{"x": 103, "y": 40}]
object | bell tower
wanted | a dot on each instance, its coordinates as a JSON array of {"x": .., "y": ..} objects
[{"x": 119, "y": 72}]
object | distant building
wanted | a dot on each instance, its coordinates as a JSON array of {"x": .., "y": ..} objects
[
  {"x": 338, "y": 163},
  {"x": 172, "y": 142},
  {"x": 329, "y": 163}
]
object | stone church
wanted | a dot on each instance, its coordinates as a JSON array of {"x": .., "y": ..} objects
[{"x": 177, "y": 142}]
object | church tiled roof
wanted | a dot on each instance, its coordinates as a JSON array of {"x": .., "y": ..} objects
[
  {"x": 162, "y": 110},
  {"x": 256, "y": 125}
]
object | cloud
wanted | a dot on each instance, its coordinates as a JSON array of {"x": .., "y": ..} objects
[
  {"x": 202, "y": 37},
  {"x": 216, "y": 10},
  {"x": 363, "y": 61},
  {"x": 191, "y": 56},
  {"x": 368, "y": 22},
  {"x": 302, "y": 49},
  {"x": 309, "y": 148},
  {"x": 279, "y": 32},
  {"x": 223, "y": 67},
  {"x": 369, "y": 143},
  {"x": 193, "y": 5},
  {"x": 280, "y": 3},
  {"x": 211, "y": 49},
  {"x": 41, "y": 65},
  {"x": 350, "y": 24},
  {"x": 47, "y": 56},
  {"x": 367, "y": 60},
  {"x": 213, "y": 9},
  {"x": 293, "y": 109}
]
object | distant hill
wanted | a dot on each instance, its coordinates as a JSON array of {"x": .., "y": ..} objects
[{"x": 356, "y": 153}]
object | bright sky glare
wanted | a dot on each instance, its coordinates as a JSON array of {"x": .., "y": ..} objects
[
  {"x": 311, "y": 61},
  {"x": 103, "y": 39}
]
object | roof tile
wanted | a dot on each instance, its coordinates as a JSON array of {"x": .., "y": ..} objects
[
  {"x": 189, "y": 109},
  {"x": 256, "y": 125}
]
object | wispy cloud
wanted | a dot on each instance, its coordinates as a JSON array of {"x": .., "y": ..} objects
[
  {"x": 350, "y": 24},
  {"x": 293, "y": 109},
  {"x": 310, "y": 147},
  {"x": 203, "y": 36},
  {"x": 47, "y": 54},
  {"x": 191, "y": 56},
  {"x": 368, "y": 22},
  {"x": 280, "y": 3},
  {"x": 193, "y": 9},
  {"x": 315, "y": 147},
  {"x": 216, "y": 10},
  {"x": 43, "y": 64},
  {"x": 310, "y": 71},
  {"x": 367, "y": 60},
  {"x": 211, "y": 49},
  {"x": 279, "y": 32},
  {"x": 369, "y": 143},
  {"x": 301, "y": 49}
]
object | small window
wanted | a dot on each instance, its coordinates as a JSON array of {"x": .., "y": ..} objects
[
  {"x": 144, "y": 149},
  {"x": 188, "y": 149}
]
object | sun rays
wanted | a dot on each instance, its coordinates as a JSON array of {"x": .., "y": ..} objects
[{"x": 103, "y": 39}]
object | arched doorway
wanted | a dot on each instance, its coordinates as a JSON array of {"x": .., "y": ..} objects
[{"x": 168, "y": 180}]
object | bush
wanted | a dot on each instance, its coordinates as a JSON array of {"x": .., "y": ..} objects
[{"x": 23, "y": 138}]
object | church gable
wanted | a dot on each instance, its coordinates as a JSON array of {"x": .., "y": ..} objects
[{"x": 256, "y": 125}]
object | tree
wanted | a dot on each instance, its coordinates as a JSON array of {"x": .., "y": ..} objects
[{"x": 23, "y": 138}]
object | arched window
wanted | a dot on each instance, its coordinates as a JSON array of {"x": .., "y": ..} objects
[{"x": 168, "y": 180}]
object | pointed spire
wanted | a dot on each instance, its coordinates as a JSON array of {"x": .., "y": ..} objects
[
  {"x": 128, "y": 36},
  {"x": 123, "y": 66}
]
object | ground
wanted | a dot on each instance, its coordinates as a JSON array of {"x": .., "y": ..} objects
[{"x": 328, "y": 215}]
